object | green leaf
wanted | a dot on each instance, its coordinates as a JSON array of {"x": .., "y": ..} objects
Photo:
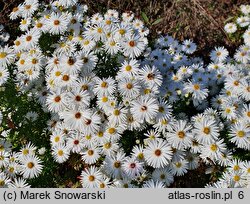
[
  {"x": 157, "y": 21},
  {"x": 228, "y": 19},
  {"x": 145, "y": 18}
]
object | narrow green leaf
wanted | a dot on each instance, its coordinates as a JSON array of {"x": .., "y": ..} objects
[
  {"x": 228, "y": 19},
  {"x": 145, "y": 18},
  {"x": 157, "y": 21}
]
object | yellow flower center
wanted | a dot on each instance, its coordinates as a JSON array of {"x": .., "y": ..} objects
[
  {"x": 117, "y": 164},
  {"x": 57, "y": 139},
  {"x": 184, "y": 70},
  {"x": 70, "y": 37},
  {"x": 108, "y": 22},
  {"x": 228, "y": 93},
  {"x": 236, "y": 83},
  {"x": 248, "y": 114},
  {"x": 104, "y": 84},
  {"x": 196, "y": 87},
  {"x": 164, "y": 122},
  {"x": 86, "y": 42},
  {"x": 17, "y": 43},
  {"x": 243, "y": 54},
  {"x": 147, "y": 91},
  {"x": 99, "y": 30},
  {"x": 129, "y": 86},
  {"x": 30, "y": 165},
  {"x": 29, "y": 38},
  {"x": 91, "y": 178},
  {"x": 175, "y": 78},
  {"x": 111, "y": 130},
  {"x": 23, "y": 22},
  {"x": 3, "y": 55},
  {"x": 116, "y": 112},
  {"x": 218, "y": 53},
  {"x": 90, "y": 152},
  {"x": 39, "y": 25},
  {"x": 29, "y": 72},
  {"x": 128, "y": 68},
  {"x": 236, "y": 178},
  {"x": 161, "y": 109},
  {"x": 104, "y": 99},
  {"x": 62, "y": 44},
  {"x": 85, "y": 87},
  {"x": 2, "y": 182},
  {"x": 102, "y": 185},
  {"x": 60, "y": 152},
  {"x": 122, "y": 31},
  {"x": 241, "y": 133},
  {"x": 181, "y": 134},
  {"x": 100, "y": 134},
  {"x": 27, "y": 7},
  {"x": 178, "y": 164},
  {"x": 108, "y": 34},
  {"x": 25, "y": 152},
  {"x": 213, "y": 147},
  {"x": 15, "y": 9},
  {"x": 112, "y": 43},
  {"x": 12, "y": 159},
  {"x": 58, "y": 73},
  {"x": 236, "y": 168},
  {"x": 248, "y": 89},
  {"x": 140, "y": 156},
  {"x": 107, "y": 145},
  {"x": 206, "y": 130},
  {"x": 216, "y": 66},
  {"x": 125, "y": 185},
  {"x": 11, "y": 169},
  {"x": 34, "y": 61}
]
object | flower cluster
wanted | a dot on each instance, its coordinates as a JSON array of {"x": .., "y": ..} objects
[
  {"x": 137, "y": 116},
  {"x": 16, "y": 167},
  {"x": 241, "y": 22}
]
